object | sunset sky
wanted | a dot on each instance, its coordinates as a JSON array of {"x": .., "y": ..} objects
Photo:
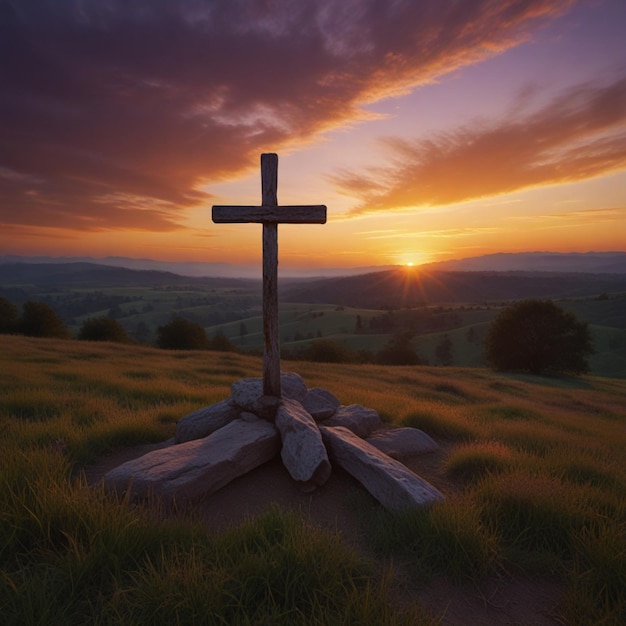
[{"x": 431, "y": 129}]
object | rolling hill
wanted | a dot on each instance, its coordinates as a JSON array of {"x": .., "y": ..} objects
[
  {"x": 587, "y": 262},
  {"x": 409, "y": 287}
]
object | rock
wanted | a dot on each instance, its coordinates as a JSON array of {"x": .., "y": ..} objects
[
  {"x": 303, "y": 452},
  {"x": 293, "y": 386},
  {"x": 247, "y": 393},
  {"x": 203, "y": 422},
  {"x": 199, "y": 467},
  {"x": 320, "y": 403},
  {"x": 359, "y": 419},
  {"x": 390, "y": 482},
  {"x": 400, "y": 443}
]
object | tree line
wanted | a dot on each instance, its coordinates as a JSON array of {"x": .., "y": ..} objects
[
  {"x": 534, "y": 336},
  {"x": 38, "y": 319}
]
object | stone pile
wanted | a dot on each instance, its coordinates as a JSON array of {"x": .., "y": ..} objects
[{"x": 309, "y": 428}]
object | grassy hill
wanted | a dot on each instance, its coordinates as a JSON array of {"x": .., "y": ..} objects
[{"x": 532, "y": 470}]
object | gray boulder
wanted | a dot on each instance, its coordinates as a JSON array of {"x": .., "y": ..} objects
[
  {"x": 386, "y": 479},
  {"x": 303, "y": 452},
  {"x": 320, "y": 403},
  {"x": 247, "y": 393},
  {"x": 293, "y": 386},
  {"x": 199, "y": 467},
  {"x": 205, "y": 421},
  {"x": 400, "y": 443},
  {"x": 359, "y": 419}
]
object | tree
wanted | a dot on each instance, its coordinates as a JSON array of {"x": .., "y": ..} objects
[
  {"x": 359, "y": 324},
  {"x": 538, "y": 337},
  {"x": 103, "y": 329},
  {"x": 181, "y": 334},
  {"x": 40, "y": 320},
  {"x": 443, "y": 351},
  {"x": 9, "y": 316},
  {"x": 398, "y": 351},
  {"x": 471, "y": 334},
  {"x": 221, "y": 343}
]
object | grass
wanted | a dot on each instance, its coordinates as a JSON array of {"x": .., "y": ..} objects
[
  {"x": 476, "y": 460},
  {"x": 447, "y": 538},
  {"x": 535, "y": 469}
]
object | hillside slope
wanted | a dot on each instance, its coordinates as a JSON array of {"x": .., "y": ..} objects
[{"x": 410, "y": 287}]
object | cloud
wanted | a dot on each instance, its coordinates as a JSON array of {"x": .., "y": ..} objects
[
  {"x": 580, "y": 217},
  {"x": 114, "y": 114},
  {"x": 441, "y": 233},
  {"x": 580, "y": 134}
]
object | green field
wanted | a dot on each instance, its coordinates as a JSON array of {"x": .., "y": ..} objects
[
  {"x": 235, "y": 310},
  {"x": 532, "y": 469}
]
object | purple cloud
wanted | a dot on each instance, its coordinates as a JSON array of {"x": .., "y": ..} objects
[
  {"x": 580, "y": 134},
  {"x": 113, "y": 113}
]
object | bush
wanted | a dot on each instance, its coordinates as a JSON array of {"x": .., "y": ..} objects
[
  {"x": 221, "y": 343},
  {"x": 103, "y": 329},
  {"x": 538, "y": 337},
  {"x": 181, "y": 334},
  {"x": 41, "y": 320},
  {"x": 9, "y": 316}
]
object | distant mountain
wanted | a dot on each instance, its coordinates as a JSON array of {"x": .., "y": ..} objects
[
  {"x": 586, "y": 262},
  {"x": 93, "y": 275},
  {"x": 198, "y": 269},
  {"x": 409, "y": 287},
  {"x": 221, "y": 270}
]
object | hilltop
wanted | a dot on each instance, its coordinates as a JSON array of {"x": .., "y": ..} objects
[{"x": 532, "y": 470}]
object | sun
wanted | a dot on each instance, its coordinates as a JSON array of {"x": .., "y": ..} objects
[{"x": 411, "y": 260}]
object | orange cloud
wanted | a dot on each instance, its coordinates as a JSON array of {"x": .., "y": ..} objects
[
  {"x": 579, "y": 135},
  {"x": 114, "y": 114}
]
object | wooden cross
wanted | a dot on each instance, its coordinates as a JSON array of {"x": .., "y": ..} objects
[{"x": 270, "y": 215}]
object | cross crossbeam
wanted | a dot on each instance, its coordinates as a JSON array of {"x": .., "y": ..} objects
[{"x": 270, "y": 214}]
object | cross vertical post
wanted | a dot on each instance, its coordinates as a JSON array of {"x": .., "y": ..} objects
[
  {"x": 270, "y": 214},
  {"x": 271, "y": 339}
]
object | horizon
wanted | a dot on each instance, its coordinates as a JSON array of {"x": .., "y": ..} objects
[
  {"x": 538, "y": 260},
  {"x": 456, "y": 131}
]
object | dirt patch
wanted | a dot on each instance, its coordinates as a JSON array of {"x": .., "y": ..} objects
[
  {"x": 516, "y": 601},
  {"x": 499, "y": 600}
]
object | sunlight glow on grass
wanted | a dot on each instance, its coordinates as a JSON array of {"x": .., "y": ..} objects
[{"x": 533, "y": 475}]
